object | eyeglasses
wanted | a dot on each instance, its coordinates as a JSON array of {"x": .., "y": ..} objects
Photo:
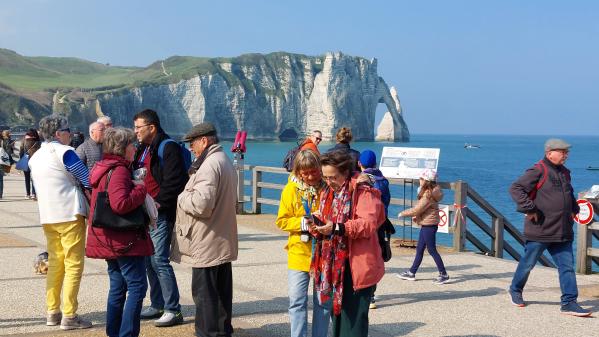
[
  {"x": 137, "y": 127},
  {"x": 65, "y": 130},
  {"x": 327, "y": 178}
]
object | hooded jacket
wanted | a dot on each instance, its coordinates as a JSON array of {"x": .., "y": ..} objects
[
  {"x": 554, "y": 203},
  {"x": 426, "y": 211},
  {"x": 380, "y": 183},
  {"x": 124, "y": 197},
  {"x": 291, "y": 212}
]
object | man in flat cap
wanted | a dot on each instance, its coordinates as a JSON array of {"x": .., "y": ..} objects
[
  {"x": 546, "y": 197},
  {"x": 206, "y": 231}
]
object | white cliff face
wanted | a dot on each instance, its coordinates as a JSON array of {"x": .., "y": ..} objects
[
  {"x": 279, "y": 96},
  {"x": 386, "y": 130}
]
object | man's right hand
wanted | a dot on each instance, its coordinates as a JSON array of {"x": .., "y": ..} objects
[{"x": 532, "y": 216}]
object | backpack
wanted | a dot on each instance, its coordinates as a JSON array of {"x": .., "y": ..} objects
[
  {"x": 185, "y": 153},
  {"x": 290, "y": 156},
  {"x": 543, "y": 168}
]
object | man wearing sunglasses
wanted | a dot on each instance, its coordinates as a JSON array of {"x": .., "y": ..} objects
[{"x": 312, "y": 141}]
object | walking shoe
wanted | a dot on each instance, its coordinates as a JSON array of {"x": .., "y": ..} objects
[
  {"x": 169, "y": 319},
  {"x": 151, "y": 313},
  {"x": 70, "y": 323},
  {"x": 516, "y": 298},
  {"x": 53, "y": 319},
  {"x": 407, "y": 275},
  {"x": 574, "y": 309},
  {"x": 372, "y": 303},
  {"x": 441, "y": 279}
]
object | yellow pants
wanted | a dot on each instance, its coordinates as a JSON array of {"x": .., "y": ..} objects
[{"x": 66, "y": 252}]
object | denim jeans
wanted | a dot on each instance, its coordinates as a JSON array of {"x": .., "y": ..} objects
[
  {"x": 298, "y": 282},
  {"x": 126, "y": 274},
  {"x": 562, "y": 255},
  {"x": 427, "y": 239},
  {"x": 164, "y": 293}
]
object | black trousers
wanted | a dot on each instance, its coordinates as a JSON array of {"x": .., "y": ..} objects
[{"x": 212, "y": 291}]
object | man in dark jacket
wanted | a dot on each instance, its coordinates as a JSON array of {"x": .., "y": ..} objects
[
  {"x": 546, "y": 197},
  {"x": 165, "y": 179}
]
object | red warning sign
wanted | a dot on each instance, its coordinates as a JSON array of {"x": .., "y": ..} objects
[
  {"x": 443, "y": 219},
  {"x": 585, "y": 216}
]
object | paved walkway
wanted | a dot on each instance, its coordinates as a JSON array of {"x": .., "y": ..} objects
[{"x": 475, "y": 303}]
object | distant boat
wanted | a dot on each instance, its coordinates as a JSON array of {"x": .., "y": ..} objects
[
  {"x": 593, "y": 168},
  {"x": 471, "y": 146}
]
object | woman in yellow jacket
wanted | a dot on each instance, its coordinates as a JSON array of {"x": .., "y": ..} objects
[{"x": 299, "y": 199}]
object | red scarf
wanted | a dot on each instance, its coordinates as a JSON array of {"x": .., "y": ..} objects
[{"x": 330, "y": 253}]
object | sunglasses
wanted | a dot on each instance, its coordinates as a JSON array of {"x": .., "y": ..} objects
[{"x": 65, "y": 130}]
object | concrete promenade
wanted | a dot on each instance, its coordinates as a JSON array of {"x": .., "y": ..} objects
[{"x": 475, "y": 303}]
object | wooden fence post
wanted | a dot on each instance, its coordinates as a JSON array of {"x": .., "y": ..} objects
[
  {"x": 460, "y": 199},
  {"x": 256, "y": 191},
  {"x": 584, "y": 240},
  {"x": 498, "y": 241}
]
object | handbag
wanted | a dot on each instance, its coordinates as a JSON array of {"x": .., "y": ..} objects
[
  {"x": 23, "y": 163},
  {"x": 104, "y": 217}
]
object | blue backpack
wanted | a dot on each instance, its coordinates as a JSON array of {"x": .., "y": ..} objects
[{"x": 185, "y": 153}]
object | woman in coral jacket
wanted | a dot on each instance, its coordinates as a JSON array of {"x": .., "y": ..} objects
[
  {"x": 124, "y": 251},
  {"x": 299, "y": 199},
  {"x": 347, "y": 261}
]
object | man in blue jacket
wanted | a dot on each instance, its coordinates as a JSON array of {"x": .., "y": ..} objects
[{"x": 546, "y": 197}]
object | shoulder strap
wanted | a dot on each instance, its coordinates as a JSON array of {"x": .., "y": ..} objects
[
  {"x": 108, "y": 180},
  {"x": 161, "y": 148}
]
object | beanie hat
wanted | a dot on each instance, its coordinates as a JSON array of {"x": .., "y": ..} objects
[
  {"x": 429, "y": 175},
  {"x": 368, "y": 159}
]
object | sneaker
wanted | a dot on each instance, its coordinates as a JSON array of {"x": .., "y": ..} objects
[
  {"x": 53, "y": 319},
  {"x": 151, "y": 313},
  {"x": 441, "y": 279},
  {"x": 574, "y": 309},
  {"x": 516, "y": 298},
  {"x": 407, "y": 275},
  {"x": 70, "y": 323},
  {"x": 169, "y": 319},
  {"x": 372, "y": 303}
]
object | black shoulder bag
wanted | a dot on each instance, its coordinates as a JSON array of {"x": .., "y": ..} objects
[{"x": 105, "y": 217}]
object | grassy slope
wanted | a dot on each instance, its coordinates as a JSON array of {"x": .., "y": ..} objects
[{"x": 41, "y": 73}]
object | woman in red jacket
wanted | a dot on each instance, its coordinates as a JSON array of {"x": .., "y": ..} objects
[
  {"x": 124, "y": 251},
  {"x": 347, "y": 261}
]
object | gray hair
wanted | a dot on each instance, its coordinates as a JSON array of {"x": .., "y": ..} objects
[
  {"x": 212, "y": 139},
  {"x": 50, "y": 124},
  {"x": 116, "y": 140},
  {"x": 104, "y": 120},
  {"x": 94, "y": 125}
]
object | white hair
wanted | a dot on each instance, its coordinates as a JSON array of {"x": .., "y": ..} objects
[
  {"x": 104, "y": 120},
  {"x": 93, "y": 125}
]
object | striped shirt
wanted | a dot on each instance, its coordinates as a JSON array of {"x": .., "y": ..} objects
[{"x": 75, "y": 166}]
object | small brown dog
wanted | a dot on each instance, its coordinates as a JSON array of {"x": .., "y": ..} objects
[{"x": 40, "y": 264}]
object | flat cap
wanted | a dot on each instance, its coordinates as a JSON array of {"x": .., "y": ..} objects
[
  {"x": 556, "y": 144},
  {"x": 200, "y": 130}
]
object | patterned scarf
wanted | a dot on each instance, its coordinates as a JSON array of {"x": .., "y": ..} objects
[{"x": 330, "y": 253}]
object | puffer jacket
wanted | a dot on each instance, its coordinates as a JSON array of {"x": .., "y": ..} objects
[
  {"x": 426, "y": 211},
  {"x": 291, "y": 212},
  {"x": 206, "y": 226},
  {"x": 124, "y": 197}
]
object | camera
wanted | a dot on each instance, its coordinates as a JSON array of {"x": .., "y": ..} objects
[{"x": 140, "y": 174}]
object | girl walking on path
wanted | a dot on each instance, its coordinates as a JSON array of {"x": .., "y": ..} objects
[{"x": 426, "y": 214}]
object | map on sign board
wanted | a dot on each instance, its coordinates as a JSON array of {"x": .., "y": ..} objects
[{"x": 408, "y": 162}]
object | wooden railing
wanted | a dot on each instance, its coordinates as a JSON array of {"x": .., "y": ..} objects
[
  {"x": 585, "y": 253},
  {"x": 463, "y": 194}
]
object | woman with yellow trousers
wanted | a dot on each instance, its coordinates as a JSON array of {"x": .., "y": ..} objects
[{"x": 299, "y": 199}]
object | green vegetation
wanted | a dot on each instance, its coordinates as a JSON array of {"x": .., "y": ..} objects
[{"x": 22, "y": 73}]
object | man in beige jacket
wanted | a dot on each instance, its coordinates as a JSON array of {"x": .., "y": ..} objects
[{"x": 206, "y": 231}]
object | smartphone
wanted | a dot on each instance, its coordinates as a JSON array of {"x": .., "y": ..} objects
[{"x": 318, "y": 222}]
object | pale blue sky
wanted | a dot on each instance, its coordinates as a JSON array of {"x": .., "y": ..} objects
[{"x": 500, "y": 67}]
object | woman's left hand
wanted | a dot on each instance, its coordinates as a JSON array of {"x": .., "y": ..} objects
[{"x": 326, "y": 229}]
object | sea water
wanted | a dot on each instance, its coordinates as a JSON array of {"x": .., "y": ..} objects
[{"x": 490, "y": 169}]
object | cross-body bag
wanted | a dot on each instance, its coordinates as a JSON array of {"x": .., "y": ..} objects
[{"x": 105, "y": 217}]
